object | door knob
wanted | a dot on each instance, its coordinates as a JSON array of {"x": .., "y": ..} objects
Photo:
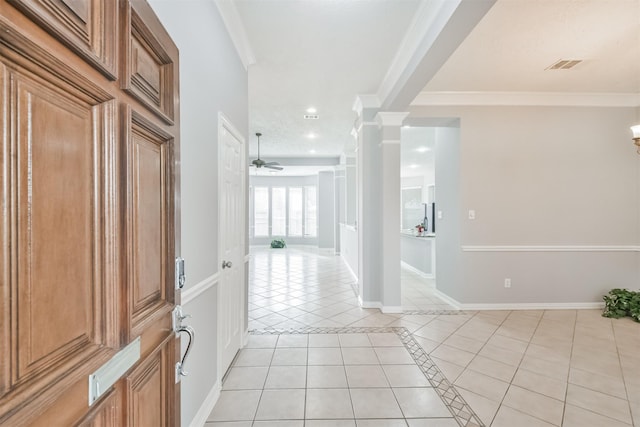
[{"x": 226, "y": 264}]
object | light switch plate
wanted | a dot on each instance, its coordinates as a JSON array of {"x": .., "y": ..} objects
[{"x": 472, "y": 214}]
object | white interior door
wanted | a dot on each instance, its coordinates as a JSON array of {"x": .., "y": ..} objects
[{"x": 231, "y": 232}]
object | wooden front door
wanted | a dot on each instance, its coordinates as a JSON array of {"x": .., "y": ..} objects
[{"x": 89, "y": 131}]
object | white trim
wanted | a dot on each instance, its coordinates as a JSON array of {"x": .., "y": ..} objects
[
  {"x": 200, "y": 419},
  {"x": 193, "y": 292},
  {"x": 416, "y": 271},
  {"x": 527, "y": 99},
  {"x": 370, "y": 304},
  {"x": 237, "y": 32},
  {"x": 560, "y": 248},
  {"x": 392, "y": 309},
  {"x": 365, "y": 101},
  {"x": 247, "y": 258},
  {"x": 389, "y": 118},
  {"x": 376, "y": 124},
  {"x": 349, "y": 227},
  {"x": 521, "y": 305},
  {"x": 354, "y": 275},
  {"x": 446, "y": 298},
  {"x": 428, "y": 21}
]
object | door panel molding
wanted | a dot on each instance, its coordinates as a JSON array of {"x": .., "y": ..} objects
[
  {"x": 46, "y": 117},
  {"x": 148, "y": 67},
  {"x": 88, "y": 27},
  {"x": 152, "y": 383},
  {"x": 73, "y": 238},
  {"x": 150, "y": 245}
]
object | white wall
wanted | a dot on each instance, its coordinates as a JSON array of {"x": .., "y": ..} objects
[
  {"x": 540, "y": 176},
  {"x": 326, "y": 210},
  {"x": 212, "y": 80},
  {"x": 349, "y": 247}
]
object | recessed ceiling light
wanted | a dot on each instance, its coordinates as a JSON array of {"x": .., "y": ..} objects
[
  {"x": 413, "y": 166},
  {"x": 406, "y": 126},
  {"x": 312, "y": 110},
  {"x": 312, "y": 151},
  {"x": 422, "y": 149},
  {"x": 311, "y": 135}
]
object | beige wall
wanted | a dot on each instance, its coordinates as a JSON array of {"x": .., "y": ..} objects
[{"x": 544, "y": 176}]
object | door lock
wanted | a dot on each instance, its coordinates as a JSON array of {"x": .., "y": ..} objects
[
  {"x": 180, "y": 276},
  {"x": 226, "y": 264}
]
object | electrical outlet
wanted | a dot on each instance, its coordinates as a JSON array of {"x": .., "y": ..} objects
[
  {"x": 439, "y": 214},
  {"x": 507, "y": 283},
  {"x": 472, "y": 214}
]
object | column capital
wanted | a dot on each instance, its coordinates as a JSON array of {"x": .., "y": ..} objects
[
  {"x": 388, "y": 118},
  {"x": 363, "y": 102}
]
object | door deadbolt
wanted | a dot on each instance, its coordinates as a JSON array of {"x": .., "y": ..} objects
[{"x": 226, "y": 264}]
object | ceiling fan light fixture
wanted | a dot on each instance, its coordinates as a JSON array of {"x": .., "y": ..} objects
[{"x": 259, "y": 163}]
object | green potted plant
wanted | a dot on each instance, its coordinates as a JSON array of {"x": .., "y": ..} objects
[
  {"x": 620, "y": 303},
  {"x": 278, "y": 243}
]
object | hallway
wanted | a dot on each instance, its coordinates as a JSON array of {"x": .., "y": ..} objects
[{"x": 315, "y": 358}]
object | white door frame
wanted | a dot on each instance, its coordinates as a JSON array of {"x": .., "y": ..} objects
[{"x": 224, "y": 124}]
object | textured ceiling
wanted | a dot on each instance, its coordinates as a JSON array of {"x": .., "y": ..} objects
[
  {"x": 319, "y": 53},
  {"x": 517, "y": 40},
  {"x": 322, "y": 53}
]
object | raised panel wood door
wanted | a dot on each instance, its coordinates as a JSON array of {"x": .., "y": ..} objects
[{"x": 87, "y": 194}]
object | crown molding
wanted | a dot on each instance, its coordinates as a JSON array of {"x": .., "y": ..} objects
[
  {"x": 365, "y": 101},
  {"x": 236, "y": 30},
  {"x": 387, "y": 118},
  {"x": 547, "y": 99}
]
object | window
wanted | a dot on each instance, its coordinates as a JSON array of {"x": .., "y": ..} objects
[
  {"x": 279, "y": 211},
  {"x": 261, "y": 211},
  {"x": 285, "y": 211},
  {"x": 310, "y": 215},
  {"x": 295, "y": 211}
]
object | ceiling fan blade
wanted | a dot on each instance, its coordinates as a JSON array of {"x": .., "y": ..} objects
[
  {"x": 251, "y": 165},
  {"x": 273, "y": 164},
  {"x": 268, "y": 166}
]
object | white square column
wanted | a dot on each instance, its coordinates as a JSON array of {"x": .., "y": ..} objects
[
  {"x": 378, "y": 178},
  {"x": 390, "y": 124}
]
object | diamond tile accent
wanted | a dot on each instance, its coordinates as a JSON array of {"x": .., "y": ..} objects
[{"x": 452, "y": 399}]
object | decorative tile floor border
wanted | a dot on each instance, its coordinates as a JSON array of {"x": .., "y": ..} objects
[{"x": 452, "y": 399}]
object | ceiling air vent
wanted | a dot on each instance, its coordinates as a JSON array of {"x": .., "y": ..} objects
[
  {"x": 311, "y": 116},
  {"x": 564, "y": 64}
]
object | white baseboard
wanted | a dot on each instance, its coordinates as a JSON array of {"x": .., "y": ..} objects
[
  {"x": 354, "y": 275},
  {"x": 201, "y": 416},
  {"x": 370, "y": 304},
  {"x": 415, "y": 270},
  {"x": 521, "y": 305},
  {"x": 392, "y": 309},
  {"x": 446, "y": 298},
  {"x": 536, "y": 306}
]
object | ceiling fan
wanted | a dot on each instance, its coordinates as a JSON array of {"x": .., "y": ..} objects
[{"x": 259, "y": 163}]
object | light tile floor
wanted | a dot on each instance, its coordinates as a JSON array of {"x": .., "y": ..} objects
[{"x": 569, "y": 368}]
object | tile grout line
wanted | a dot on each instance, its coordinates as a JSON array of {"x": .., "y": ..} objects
[{"x": 448, "y": 396}]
